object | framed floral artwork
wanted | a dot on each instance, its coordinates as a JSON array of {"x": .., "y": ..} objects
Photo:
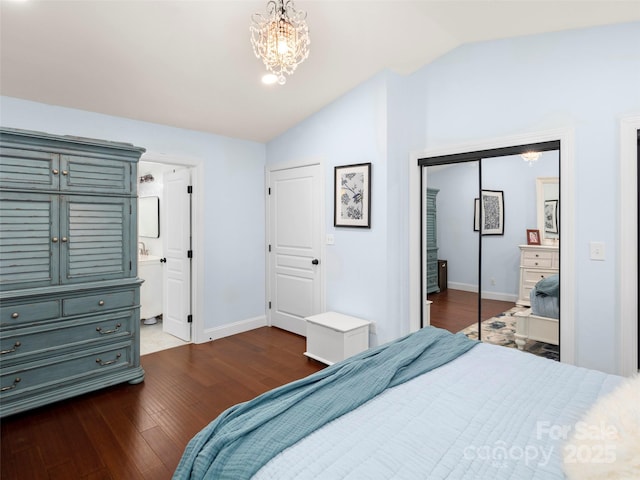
[
  {"x": 352, "y": 192},
  {"x": 491, "y": 215}
]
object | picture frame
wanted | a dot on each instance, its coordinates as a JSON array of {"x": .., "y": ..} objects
[
  {"x": 476, "y": 214},
  {"x": 491, "y": 215},
  {"x": 352, "y": 196},
  {"x": 533, "y": 237},
  {"x": 551, "y": 216}
]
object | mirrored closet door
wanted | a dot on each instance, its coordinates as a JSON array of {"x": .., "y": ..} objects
[{"x": 491, "y": 235}]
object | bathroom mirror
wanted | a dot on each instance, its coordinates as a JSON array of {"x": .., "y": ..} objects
[
  {"x": 149, "y": 217},
  {"x": 548, "y": 208}
]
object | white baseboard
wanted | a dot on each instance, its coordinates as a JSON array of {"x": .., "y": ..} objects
[
  {"x": 504, "y": 297},
  {"x": 234, "y": 328}
]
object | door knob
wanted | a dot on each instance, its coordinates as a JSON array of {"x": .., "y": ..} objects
[
  {"x": 315, "y": 261},
  {"x": 163, "y": 260}
]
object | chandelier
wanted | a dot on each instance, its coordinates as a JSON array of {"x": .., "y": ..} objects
[
  {"x": 280, "y": 37},
  {"x": 530, "y": 157}
]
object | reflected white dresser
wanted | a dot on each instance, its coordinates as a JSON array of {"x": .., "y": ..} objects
[{"x": 536, "y": 263}]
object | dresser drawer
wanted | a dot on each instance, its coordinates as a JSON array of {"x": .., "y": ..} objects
[
  {"x": 25, "y": 378},
  {"x": 540, "y": 258},
  {"x": 21, "y": 314},
  {"x": 432, "y": 255},
  {"x": 533, "y": 276},
  {"x": 97, "y": 303},
  {"x": 24, "y": 343}
]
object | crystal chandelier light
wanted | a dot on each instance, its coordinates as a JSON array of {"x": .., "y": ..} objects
[
  {"x": 530, "y": 157},
  {"x": 280, "y": 37}
]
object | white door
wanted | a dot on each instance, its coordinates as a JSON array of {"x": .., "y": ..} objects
[
  {"x": 295, "y": 238},
  {"x": 176, "y": 231}
]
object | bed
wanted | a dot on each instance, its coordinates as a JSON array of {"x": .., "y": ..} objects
[
  {"x": 540, "y": 322},
  {"x": 429, "y": 405}
]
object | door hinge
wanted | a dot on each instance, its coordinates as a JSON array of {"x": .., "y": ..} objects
[
  {"x": 129, "y": 209},
  {"x": 189, "y": 253},
  {"x": 189, "y": 189},
  {"x": 269, "y": 305},
  {"x": 189, "y": 318},
  {"x": 269, "y": 247},
  {"x": 129, "y": 264},
  {"x": 269, "y": 190}
]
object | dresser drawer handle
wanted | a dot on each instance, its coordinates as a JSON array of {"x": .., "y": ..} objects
[
  {"x": 107, "y": 332},
  {"x": 15, "y": 345},
  {"x": 108, "y": 362},
  {"x": 101, "y": 303},
  {"x": 15, "y": 315},
  {"x": 536, "y": 263},
  {"x": 11, "y": 387}
]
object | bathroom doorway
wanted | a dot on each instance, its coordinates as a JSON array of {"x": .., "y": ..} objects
[{"x": 164, "y": 255}]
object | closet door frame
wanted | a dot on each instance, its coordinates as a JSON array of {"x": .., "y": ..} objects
[{"x": 567, "y": 212}]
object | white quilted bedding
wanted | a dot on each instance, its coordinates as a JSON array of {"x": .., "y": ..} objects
[{"x": 493, "y": 413}]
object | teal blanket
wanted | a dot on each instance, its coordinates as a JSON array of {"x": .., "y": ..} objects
[{"x": 246, "y": 436}]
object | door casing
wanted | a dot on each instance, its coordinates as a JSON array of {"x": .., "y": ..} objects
[{"x": 198, "y": 333}]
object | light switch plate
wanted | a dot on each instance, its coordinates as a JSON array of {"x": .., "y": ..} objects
[
  {"x": 330, "y": 239},
  {"x": 596, "y": 250}
]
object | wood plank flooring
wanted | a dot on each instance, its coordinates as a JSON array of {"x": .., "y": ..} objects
[
  {"x": 455, "y": 310},
  {"x": 140, "y": 431}
]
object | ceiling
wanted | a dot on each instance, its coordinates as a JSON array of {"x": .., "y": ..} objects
[{"x": 190, "y": 64}]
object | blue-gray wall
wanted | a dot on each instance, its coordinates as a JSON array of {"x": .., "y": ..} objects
[
  {"x": 234, "y": 228},
  {"x": 584, "y": 80}
]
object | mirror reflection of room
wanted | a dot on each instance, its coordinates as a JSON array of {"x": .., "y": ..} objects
[{"x": 493, "y": 285}]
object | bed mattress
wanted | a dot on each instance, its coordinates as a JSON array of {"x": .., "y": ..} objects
[{"x": 492, "y": 413}]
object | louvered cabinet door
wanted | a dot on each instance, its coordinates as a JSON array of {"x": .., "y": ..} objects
[
  {"x": 29, "y": 240},
  {"x": 96, "y": 238},
  {"x": 22, "y": 169},
  {"x": 96, "y": 174}
]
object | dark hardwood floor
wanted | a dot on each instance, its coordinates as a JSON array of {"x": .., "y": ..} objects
[
  {"x": 140, "y": 431},
  {"x": 454, "y": 310}
]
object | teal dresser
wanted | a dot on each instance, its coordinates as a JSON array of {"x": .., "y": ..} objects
[
  {"x": 69, "y": 292},
  {"x": 432, "y": 241}
]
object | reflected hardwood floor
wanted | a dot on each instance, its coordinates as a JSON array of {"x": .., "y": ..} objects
[
  {"x": 140, "y": 431},
  {"x": 455, "y": 310}
]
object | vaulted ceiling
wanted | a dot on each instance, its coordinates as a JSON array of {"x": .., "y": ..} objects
[{"x": 190, "y": 64}]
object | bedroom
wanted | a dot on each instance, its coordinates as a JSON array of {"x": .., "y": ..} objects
[{"x": 564, "y": 80}]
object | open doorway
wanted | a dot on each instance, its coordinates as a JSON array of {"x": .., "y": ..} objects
[{"x": 164, "y": 255}]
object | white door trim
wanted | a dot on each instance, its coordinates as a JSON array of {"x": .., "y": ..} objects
[
  {"x": 197, "y": 231},
  {"x": 321, "y": 270},
  {"x": 627, "y": 260},
  {"x": 567, "y": 216}
]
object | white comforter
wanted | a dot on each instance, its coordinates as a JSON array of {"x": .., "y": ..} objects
[{"x": 493, "y": 413}]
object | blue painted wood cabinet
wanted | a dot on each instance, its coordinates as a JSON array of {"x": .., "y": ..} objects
[
  {"x": 431, "y": 246},
  {"x": 69, "y": 292}
]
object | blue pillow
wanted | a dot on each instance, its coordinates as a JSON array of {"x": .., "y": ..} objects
[{"x": 549, "y": 286}]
